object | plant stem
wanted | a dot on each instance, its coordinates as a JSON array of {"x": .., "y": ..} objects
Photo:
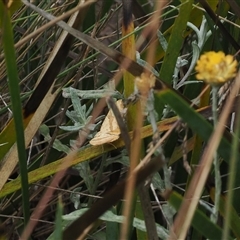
[
  {"x": 231, "y": 179},
  {"x": 218, "y": 183}
]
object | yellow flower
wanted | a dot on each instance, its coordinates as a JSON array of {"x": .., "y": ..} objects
[{"x": 216, "y": 67}]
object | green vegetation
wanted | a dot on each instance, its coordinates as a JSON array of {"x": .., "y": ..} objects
[{"x": 166, "y": 166}]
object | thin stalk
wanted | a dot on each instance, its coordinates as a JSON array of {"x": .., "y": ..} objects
[
  {"x": 152, "y": 119},
  {"x": 216, "y": 163},
  {"x": 231, "y": 179}
]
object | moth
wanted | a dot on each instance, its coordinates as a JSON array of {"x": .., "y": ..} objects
[{"x": 109, "y": 131}]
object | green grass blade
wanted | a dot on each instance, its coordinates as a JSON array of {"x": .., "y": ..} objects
[
  {"x": 58, "y": 221},
  {"x": 175, "y": 41},
  {"x": 13, "y": 81}
]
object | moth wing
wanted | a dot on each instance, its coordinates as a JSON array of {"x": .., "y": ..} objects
[
  {"x": 102, "y": 138},
  {"x": 109, "y": 131}
]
